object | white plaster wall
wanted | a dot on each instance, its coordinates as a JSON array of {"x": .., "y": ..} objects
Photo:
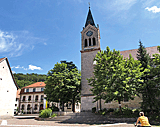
[{"x": 7, "y": 91}]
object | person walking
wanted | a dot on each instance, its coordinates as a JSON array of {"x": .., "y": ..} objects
[{"x": 143, "y": 120}]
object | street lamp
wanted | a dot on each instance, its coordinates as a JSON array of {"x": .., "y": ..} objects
[{"x": 59, "y": 105}]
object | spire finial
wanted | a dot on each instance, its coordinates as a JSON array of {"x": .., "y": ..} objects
[{"x": 89, "y": 4}]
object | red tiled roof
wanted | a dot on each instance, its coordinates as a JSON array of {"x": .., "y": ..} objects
[
  {"x": 1, "y": 59},
  {"x": 37, "y": 84},
  {"x": 133, "y": 52}
]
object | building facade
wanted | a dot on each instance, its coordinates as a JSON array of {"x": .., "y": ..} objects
[
  {"x": 90, "y": 45},
  {"x": 32, "y": 98},
  {"x": 8, "y": 89}
]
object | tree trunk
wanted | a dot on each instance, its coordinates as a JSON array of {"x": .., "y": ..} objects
[
  {"x": 100, "y": 104},
  {"x": 73, "y": 104},
  {"x": 62, "y": 106},
  {"x": 119, "y": 103}
]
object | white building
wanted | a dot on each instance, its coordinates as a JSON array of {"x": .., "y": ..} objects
[
  {"x": 32, "y": 100},
  {"x": 8, "y": 89}
]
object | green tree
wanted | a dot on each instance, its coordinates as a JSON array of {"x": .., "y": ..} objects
[
  {"x": 63, "y": 83},
  {"x": 115, "y": 78},
  {"x": 148, "y": 89},
  {"x": 28, "y": 79},
  {"x": 155, "y": 82}
]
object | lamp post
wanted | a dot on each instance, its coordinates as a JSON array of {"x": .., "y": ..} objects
[{"x": 59, "y": 105}]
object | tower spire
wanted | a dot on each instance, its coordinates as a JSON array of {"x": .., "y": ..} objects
[{"x": 89, "y": 18}]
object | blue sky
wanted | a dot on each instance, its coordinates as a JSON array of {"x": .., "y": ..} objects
[{"x": 36, "y": 34}]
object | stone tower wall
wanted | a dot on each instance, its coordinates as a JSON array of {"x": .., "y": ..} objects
[{"x": 87, "y": 70}]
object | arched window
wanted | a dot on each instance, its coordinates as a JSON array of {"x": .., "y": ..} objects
[
  {"x": 94, "y": 41},
  {"x": 89, "y": 41},
  {"x": 35, "y": 107},
  {"x": 24, "y": 98},
  {"x": 41, "y": 107},
  {"x": 36, "y": 99},
  {"x": 29, "y": 98},
  {"x": 85, "y": 43},
  {"x": 28, "y": 107},
  {"x": 42, "y": 98},
  {"x": 22, "y": 107}
]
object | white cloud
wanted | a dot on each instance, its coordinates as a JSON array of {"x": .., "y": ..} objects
[
  {"x": 8, "y": 43},
  {"x": 19, "y": 67},
  {"x": 153, "y": 9},
  {"x": 13, "y": 72},
  {"x": 16, "y": 42},
  {"x": 32, "y": 67}
]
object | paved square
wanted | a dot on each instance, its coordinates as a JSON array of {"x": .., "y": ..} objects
[{"x": 34, "y": 123}]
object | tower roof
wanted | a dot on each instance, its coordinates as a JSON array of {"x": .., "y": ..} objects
[{"x": 89, "y": 19}]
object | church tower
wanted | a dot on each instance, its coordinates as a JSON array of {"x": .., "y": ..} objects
[{"x": 90, "y": 45}]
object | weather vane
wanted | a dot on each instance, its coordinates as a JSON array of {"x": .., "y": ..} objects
[{"x": 89, "y": 4}]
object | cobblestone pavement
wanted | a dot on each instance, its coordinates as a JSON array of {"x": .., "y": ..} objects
[{"x": 14, "y": 122}]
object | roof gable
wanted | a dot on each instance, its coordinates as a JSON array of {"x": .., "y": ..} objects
[{"x": 5, "y": 58}]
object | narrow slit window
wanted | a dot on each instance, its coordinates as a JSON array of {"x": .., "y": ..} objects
[
  {"x": 94, "y": 41},
  {"x": 89, "y": 41},
  {"x": 85, "y": 43}
]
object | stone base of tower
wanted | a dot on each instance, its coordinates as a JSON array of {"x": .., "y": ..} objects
[{"x": 86, "y": 103}]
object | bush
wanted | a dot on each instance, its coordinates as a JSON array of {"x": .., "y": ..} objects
[
  {"x": 54, "y": 108},
  {"x": 46, "y": 113},
  {"x": 54, "y": 115},
  {"x": 110, "y": 110},
  {"x": 126, "y": 111},
  {"x": 93, "y": 109},
  {"x": 103, "y": 113},
  {"x": 136, "y": 111}
]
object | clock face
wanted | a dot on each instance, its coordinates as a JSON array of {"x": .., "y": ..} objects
[{"x": 89, "y": 33}]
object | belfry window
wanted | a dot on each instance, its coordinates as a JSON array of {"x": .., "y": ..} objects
[
  {"x": 85, "y": 43},
  {"x": 89, "y": 41},
  {"x": 94, "y": 41}
]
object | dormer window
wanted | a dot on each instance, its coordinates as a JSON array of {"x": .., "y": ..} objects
[
  {"x": 34, "y": 89},
  {"x": 42, "y": 89},
  {"x": 27, "y": 90}
]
